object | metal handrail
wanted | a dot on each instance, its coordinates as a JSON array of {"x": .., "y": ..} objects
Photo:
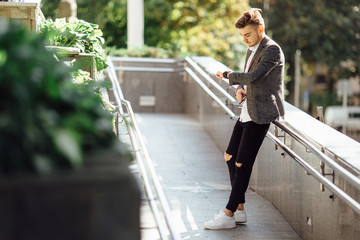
[
  {"x": 115, "y": 83},
  {"x": 137, "y": 141},
  {"x": 146, "y": 182},
  {"x": 155, "y": 180},
  {"x": 354, "y": 205},
  {"x": 318, "y": 176},
  {"x": 147, "y": 69},
  {"x": 211, "y": 81},
  {"x": 144, "y": 60},
  {"x": 343, "y": 161},
  {"x": 119, "y": 97},
  {"x": 212, "y": 95},
  {"x": 354, "y": 181}
]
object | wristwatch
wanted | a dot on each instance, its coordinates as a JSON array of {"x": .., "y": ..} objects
[{"x": 226, "y": 74}]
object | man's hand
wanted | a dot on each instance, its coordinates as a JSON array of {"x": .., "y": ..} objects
[
  {"x": 219, "y": 74},
  {"x": 240, "y": 94}
]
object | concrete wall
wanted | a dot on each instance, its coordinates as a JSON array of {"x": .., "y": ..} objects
[
  {"x": 314, "y": 214},
  {"x": 166, "y": 87}
]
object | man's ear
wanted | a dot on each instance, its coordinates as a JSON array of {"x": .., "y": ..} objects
[{"x": 261, "y": 28}]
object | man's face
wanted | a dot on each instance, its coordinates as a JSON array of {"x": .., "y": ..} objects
[{"x": 252, "y": 35}]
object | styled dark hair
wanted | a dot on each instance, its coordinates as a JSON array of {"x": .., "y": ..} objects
[{"x": 250, "y": 17}]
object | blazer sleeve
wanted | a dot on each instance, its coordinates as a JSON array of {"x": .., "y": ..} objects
[{"x": 271, "y": 58}]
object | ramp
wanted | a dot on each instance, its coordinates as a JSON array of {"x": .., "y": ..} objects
[{"x": 195, "y": 180}]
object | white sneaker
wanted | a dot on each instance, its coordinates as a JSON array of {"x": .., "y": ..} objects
[
  {"x": 240, "y": 216},
  {"x": 221, "y": 221}
]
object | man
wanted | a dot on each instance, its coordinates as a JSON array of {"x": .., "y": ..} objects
[{"x": 261, "y": 87}]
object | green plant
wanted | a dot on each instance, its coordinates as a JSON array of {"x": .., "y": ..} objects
[
  {"x": 81, "y": 77},
  {"x": 77, "y": 33},
  {"x": 47, "y": 123}
]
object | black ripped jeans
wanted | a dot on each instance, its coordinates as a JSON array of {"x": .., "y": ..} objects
[{"x": 244, "y": 145}]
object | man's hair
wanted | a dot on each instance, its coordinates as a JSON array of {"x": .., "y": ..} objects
[{"x": 250, "y": 17}]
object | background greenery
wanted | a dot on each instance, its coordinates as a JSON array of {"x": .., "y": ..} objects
[
  {"x": 182, "y": 28},
  {"x": 326, "y": 31}
]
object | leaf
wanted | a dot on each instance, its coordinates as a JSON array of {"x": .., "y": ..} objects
[
  {"x": 3, "y": 57},
  {"x": 43, "y": 164},
  {"x": 98, "y": 32},
  {"x": 68, "y": 146}
]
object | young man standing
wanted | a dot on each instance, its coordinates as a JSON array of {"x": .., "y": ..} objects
[{"x": 261, "y": 87}]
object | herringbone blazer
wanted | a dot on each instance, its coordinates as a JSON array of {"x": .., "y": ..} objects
[{"x": 265, "y": 83}]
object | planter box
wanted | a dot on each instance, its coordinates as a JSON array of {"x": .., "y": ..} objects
[
  {"x": 84, "y": 61},
  {"x": 28, "y": 14},
  {"x": 99, "y": 202}
]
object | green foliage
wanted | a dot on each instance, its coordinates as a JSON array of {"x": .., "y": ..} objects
[
  {"x": 326, "y": 31},
  {"x": 110, "y": 15},
  {"x": 115, "y": 23},
  {"x": 77, "y": 33},
  {"x": 157, "y": 22},
  {"x": 194, "y": 27},
  {"x": 49, "y": 8},
  {"x": 205, "y": 28},
  {"x": 81, "y": 77},
  {"x": 46, "y": 122}
]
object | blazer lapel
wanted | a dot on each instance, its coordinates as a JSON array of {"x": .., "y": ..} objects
[
  {"x": 247, "y": 57},
  {"x": 258, "y": 52}
]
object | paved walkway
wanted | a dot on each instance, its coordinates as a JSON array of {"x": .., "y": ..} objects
[{"x": 195, "y": 180}]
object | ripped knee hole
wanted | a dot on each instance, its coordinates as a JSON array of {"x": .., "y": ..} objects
[
  {"x": 238, "y": 164},
  {"x": 227, "y": 156}
]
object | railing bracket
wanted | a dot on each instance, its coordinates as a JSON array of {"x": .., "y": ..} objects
[{"x": 322, "y": 171}]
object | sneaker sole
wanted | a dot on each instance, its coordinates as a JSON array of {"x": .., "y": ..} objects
[
  {"x": 241, "y": 222},
  {"x": 219, "y": 228}
]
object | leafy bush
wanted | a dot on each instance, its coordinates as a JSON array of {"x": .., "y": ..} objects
[
  {"x": 77, "y": 33},
  {"x": 47, "y": 123}
]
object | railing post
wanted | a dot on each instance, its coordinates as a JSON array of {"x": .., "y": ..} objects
[{"x": 319, "y": 115}]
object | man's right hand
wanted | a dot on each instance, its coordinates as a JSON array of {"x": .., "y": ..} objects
[
  {"x": 219, "y": 74},
  {"x": 240, "y": 94}
]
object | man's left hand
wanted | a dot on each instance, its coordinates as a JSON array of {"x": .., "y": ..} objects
[{"x": 240, "y": 94}]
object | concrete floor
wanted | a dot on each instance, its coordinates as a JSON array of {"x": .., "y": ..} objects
[{"x": 195, "y": 180}]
